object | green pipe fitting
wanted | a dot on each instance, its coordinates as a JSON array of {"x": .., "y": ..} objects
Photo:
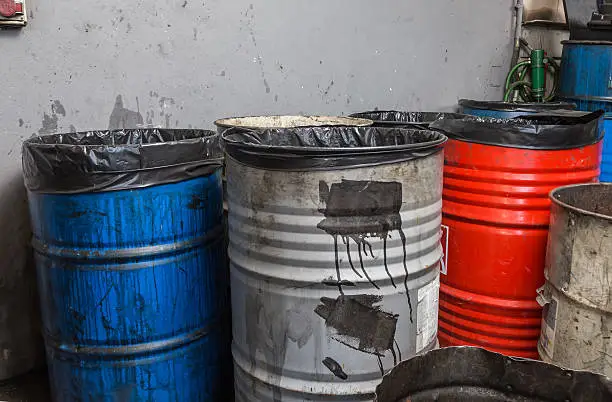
[{"x": 538, "y": 76}]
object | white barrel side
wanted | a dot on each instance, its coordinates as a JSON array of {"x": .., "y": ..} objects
[{"x": 323, "y": 304}]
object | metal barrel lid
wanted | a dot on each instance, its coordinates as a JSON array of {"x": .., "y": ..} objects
[{"x": 473, "y": 374}]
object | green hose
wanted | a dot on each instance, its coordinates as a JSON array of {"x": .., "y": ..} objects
[
  {"x": 513, "y": 71},
  {"x": 523, "y": 94},
  {"x": 520, "y": 71},
  {"x": 526, "y": 84},
  {"x": 523, "y": 86},
  {"x": 553, "y": 91},
  {"x": 519, "y": 88}
]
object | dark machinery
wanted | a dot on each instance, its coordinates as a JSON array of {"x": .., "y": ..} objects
[{"x": 589, "y": 19}]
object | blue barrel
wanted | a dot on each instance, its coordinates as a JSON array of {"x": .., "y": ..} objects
[
  {"x": 131, "y": 264},
  {"x": 586, "y": 74},
  {"x": 507, "y": 110},
  {"x": 586, "y": 79}
]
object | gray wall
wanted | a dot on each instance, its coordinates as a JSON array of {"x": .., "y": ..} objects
[{"x": 182, "y": 63}]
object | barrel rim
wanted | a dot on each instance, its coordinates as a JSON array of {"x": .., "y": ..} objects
[
  {"x": 516, "y": 107},
  {"x": 441, "y": 139},
  {"x": 110, "y": 160},
  {"x": 586, "y": 42},
  {"x": 316, "y": 120},
  {"x": 554, "y": 193},
  {"x": 146, "y": 134},
  {"x": 304, "y": 148},
  {"x": 425, "y": 121},
  {"x": 539, "y": 131}
]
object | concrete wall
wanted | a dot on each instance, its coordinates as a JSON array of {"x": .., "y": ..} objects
[{"x": 93, "y": 64}]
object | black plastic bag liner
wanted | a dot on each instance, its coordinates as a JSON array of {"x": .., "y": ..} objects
[
  {"x": 95, "y": 161},
  {"x": 516, "y": 107},
  {"x": 545, "y": 131},
  {"x": 328, "y": 147},
  {"x": 466, "y": 374},
  {"x": 394, "y": 118}
]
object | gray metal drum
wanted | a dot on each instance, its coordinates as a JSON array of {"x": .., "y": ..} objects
[
  {"x": 334, "y": 270},
  {"x": 577, "y": 318}
]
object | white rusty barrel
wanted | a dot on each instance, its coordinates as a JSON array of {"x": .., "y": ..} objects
[
  {"x": 334, "y": 257},
  {"x": 577, "y": 318}
]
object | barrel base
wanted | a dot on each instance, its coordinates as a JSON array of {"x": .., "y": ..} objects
[
  {"x": 255, "y": 386},
  {"x": 194, "y": 372},
  {"x": 575, "y": 335},
  {"x": 447, "y": 340},
  {"x": 510, "y": 327},
  {"x": 258, "y": 385},
  {"x": 251, "y": 389}
]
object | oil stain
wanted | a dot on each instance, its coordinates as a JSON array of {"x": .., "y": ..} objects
[
  {"x": 357, "y": 210},
  {"x": 358, "y": 323},
  {"x": 197, "y": 202},
  {"x": 49, "y": 124},
  {"x": 121, "y": 117},
  {"x": 355, "y": 321},
  {"x": 58, "y": 108},
  {"x": 269, "y": 332}
]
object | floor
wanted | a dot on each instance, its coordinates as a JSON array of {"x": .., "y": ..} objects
[{"x": 31, "y": 387}]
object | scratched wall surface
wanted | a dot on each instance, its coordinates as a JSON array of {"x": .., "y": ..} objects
[{"x": 183, "y": 63}]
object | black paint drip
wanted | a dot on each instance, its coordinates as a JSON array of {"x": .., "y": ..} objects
[
  {"x": 399, "y": 351},
  {"x": 335, "y": 368},
  {"x": 357, "y": 210},
  {"x": 348, "y": 252},
  {"x": 403, "y": 237}
]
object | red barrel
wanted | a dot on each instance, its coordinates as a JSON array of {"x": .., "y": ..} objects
[{"x": 495, "y": 224}]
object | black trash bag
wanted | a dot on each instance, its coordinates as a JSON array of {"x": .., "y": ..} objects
[
  {"x": 96, "y": 161},
  {"x": 328, "y": 147},
  {"x": 516, "y": 107},
  {"x": 545, "y": 131},
  {"x": 415, "y": 120}
]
